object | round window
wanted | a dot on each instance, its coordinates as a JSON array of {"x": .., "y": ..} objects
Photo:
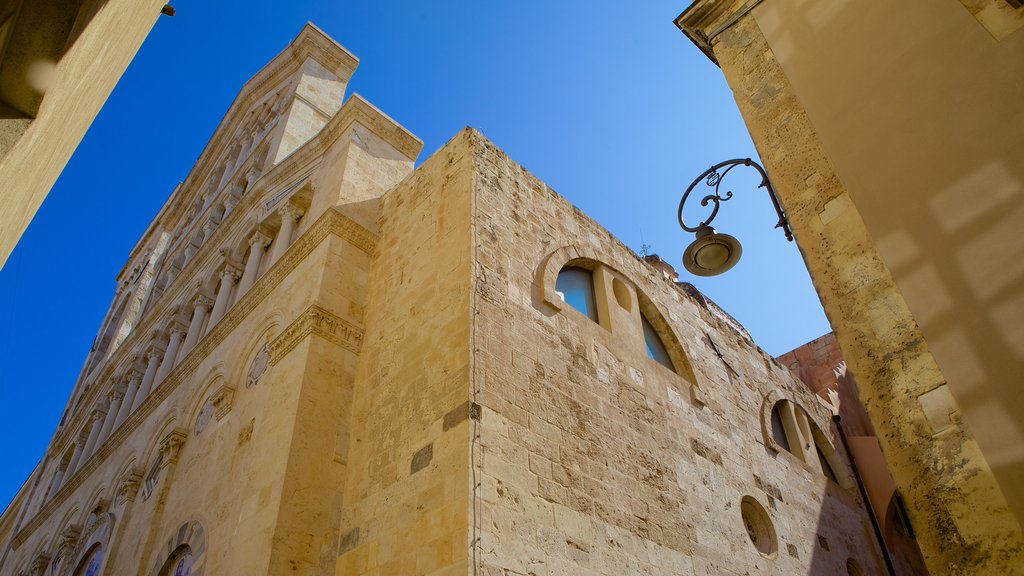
[{"x": 759, "y": 526}]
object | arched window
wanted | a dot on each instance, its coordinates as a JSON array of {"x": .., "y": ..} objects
[
  {"x": 655, "y": 347},
  {"x": 179, "y": 563},
  {"x": 778, "y": 432},
  {"x": 795, "y": 432},
  {"x": 576, "y": 288},
  {"x": 90, "y": 565}
]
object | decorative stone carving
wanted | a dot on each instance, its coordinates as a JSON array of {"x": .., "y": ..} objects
[
  {"x": 40, "y": 564},
  {"x": 258, "y": 238},
  {"x": 171, "y": 445},
  {"x": 69, "y": 537},
  {"x": 258, "y": 366},
  {"x": 221, "y": 401},
  {"x": 319, "y": 321},
  {"x": 202, "y": 301},
  {"x": 230, "y": 272},
  {"x": 129, "y": 485}
]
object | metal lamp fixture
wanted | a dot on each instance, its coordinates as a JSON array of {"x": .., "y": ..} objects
[{"x": 713, "y": 253}]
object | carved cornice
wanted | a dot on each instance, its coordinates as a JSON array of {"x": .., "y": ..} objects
[
  {"x": 321, "y": 322},
  {"x": 706, "y": 19},
  {"x": 357, "y": 109},
  {"x": 332, "y": 223}
]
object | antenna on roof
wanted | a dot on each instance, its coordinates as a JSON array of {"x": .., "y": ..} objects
[{"x": 645, "y": 249}]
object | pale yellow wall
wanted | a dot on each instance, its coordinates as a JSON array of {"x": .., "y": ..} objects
[
  {"x": 595, "y": 459},
  {"x": 413, "y": 385},
  {"x": 919, "y": 108},
  {"x": 85, "y": 76},
  {"x": 880, "y": 72}
]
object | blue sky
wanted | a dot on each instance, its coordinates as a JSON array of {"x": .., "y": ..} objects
[{"x": 607, "y": 102}]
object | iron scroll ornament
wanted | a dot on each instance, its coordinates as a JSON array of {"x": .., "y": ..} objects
[{"x": 713, "y": 179}]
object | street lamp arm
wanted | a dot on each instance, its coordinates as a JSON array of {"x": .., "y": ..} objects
[{"x": 712, "y": 178}]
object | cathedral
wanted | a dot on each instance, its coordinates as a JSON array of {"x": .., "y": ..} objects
[{"x": 321, "y": 360}]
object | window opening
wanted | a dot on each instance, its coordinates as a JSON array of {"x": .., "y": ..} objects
[
  {"x": 778, "y": 431},
  {"x": 575, "y": 286},
  {"x": 655, "y": 347},
  {"x": 91, "y": 565},
  {"x": 825, "y": 466}
]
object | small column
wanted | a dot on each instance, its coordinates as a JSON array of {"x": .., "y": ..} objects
[
  {"x": 209, "y": 227},
  {"x": 251, "y": 175},
  {"x": 231, "y": 199},
  {"x": 76, "y": 455},
  {"x": 171, "y": 355},
  {"x": 290, "y": 214},
  {"x": 258, "y": 243},
  {"x": 94, "y": 434},
  {"x": 115, "y": 396},
  {"x": 58, "y": 478},
  {"x": 202, "y": 304},
  {"x": 131, "y": 391},
  {"x": 228, "y": 276},
  {"x": 153, "y": 358}
]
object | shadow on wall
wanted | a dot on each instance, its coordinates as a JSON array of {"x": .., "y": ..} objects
[{"x": 923, "y": 132}]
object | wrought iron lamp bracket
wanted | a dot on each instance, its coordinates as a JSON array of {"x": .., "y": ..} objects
[{"x": 712, "y": 178}]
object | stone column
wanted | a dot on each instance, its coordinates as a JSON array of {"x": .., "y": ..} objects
[
  {"x": 258, "y": 243},
  {"x": 171, "y": 355},
  {"x": 202, "y": 305},
  {"x": 153, "y": 358},
  {"x": 115, "y": 396},
  {"x": 251, "y": 175},
  {"x": 231, "y": 199},
  {"x": 58, "y": 478},
  {"x": 290, "y": 214},
  {"x": 134, "y": 381},
  {"x": 76, "y": 455},
  {"x": 209, "y": 227},
  {"x": 228, "y": 277},
  {"x": 94, "y": 434}
]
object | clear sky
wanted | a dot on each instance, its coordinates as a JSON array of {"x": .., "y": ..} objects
[{"x": 605, "y": 101}]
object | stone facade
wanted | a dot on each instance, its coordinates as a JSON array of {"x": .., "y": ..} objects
[
  {"x": 321, "y": 361},
  {"x": 884, "y": 127}
]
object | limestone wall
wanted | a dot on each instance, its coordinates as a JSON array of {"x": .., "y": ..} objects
[
  {"x": 407, "y": 494},
  {"x": 595, "y": 459}
]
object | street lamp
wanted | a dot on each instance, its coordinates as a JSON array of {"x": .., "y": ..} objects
[{"x": 713, "y": 253}]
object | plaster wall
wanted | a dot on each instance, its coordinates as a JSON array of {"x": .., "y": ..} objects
[{"x": 918, "y": 107}]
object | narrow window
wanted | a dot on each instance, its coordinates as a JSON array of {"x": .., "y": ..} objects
[
  {"x": 655, "y": 347},
  {"x": 778, "y": 430},
  {"x": 576, "y": 288},
  {"x": 825, "y": 466}
]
